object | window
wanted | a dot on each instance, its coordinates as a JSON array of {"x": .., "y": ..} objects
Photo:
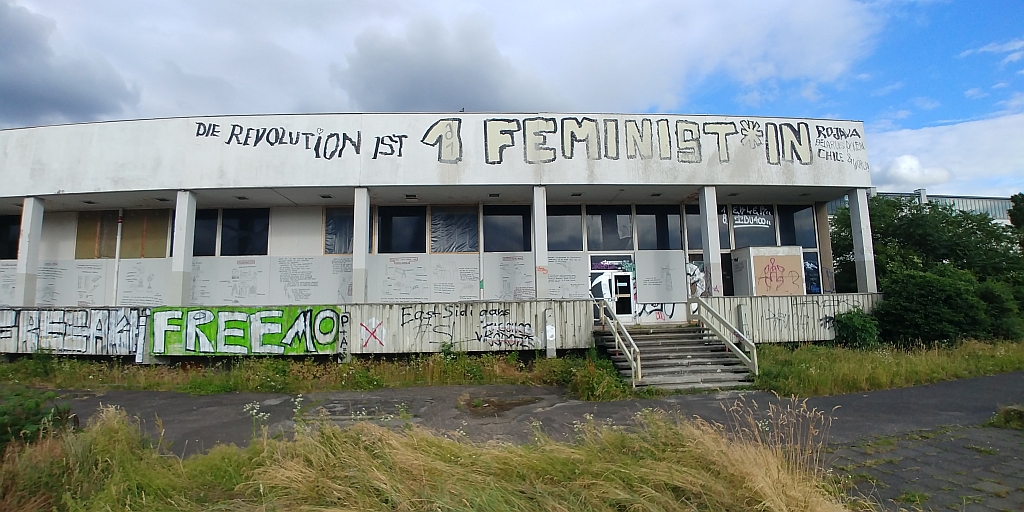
[
  {"x": 243, "y": 232},
  {"x": 658, "y": 228},
  {"x": 694, "y": 242},
  {"x": 796, "y": 226},
  {"x": 10, "y": 227},
  {"x": 753, "y": 225},
  {"x": 97, "y": 235},
  {"x": 609, "y": 228},
  {"x": 402, "y": 229},
  {"x": 812, "y": 273},
  {"x": 338, "y": 224},
  {"x": 205, "y": 240},
  {"x": 144, "y": 233},
  {"x": 507, "y": 229},
  {"x": 454, "y": 229},
  {"x": 565, "y": 228}
]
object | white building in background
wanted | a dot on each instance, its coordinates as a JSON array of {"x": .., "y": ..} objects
[{"x": 417, "y": 208}]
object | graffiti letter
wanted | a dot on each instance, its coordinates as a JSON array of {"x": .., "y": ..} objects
[
  {"x": 581, "y": 130},
  {"x": 192, "y": 333},
  {"x": 323, "y": 337},
  {"x": 688, "y": 142},
  {"x": 224, "y": 332},
  {"x": 611, "y": 139},
  {"x": 664, "y": 140},
  {"x": 639, "y": 139},
  {"x": 534, "y": 149},
  {"x": 446, "y": 135},
  {"x": 258, "y": 328},
  {"x": 723, "y": 130},
  {"x": 796, "y": 141},
  {"x": 497, "y": 137},
  {"x": 771, "y": 143}
]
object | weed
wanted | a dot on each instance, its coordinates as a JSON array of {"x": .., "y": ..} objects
[
  {"x": 1008, "y": 417},
  {"x": 27, "y": 414},
  {"x": 982, "y": 449},
  {"x": 913, "y": 497}
]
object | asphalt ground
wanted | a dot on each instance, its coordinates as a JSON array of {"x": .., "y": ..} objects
[{"x": 936, "y": 426}]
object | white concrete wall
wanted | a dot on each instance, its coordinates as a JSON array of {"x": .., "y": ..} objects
[
  {"x": 430, "y": 149},
  {"x": 297, "y": 231},
  {"x": 60, "y": 231}
]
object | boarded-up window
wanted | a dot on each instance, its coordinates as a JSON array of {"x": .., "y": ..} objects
[
  {"x": 97, "y": 235},
  {"x": 10, "y": 227},
  {"x": 338, "y": 231},
  {"x": 144, "y": 233},
  {"x": 454, "y": 229}
]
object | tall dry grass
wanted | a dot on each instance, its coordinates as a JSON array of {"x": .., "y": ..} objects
[
  {"x": 661, "y": 463},
  {"x": 814, "y": 370}
]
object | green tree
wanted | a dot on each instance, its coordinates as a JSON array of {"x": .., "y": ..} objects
[{"x": 911, "y": 236}]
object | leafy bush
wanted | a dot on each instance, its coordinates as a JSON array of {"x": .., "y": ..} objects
[
  {"x": 27, "y": 413},
  {"x": 930, "y": 307},
  {"x": 1002, "y": 310},
  {"x": 855, "y": 329}
]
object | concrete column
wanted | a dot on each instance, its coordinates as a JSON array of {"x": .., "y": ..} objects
[
  {"x": 181, "y": 250},
  {"x": 825, "y": 262},
  {"x": 360, "y": 243},
  {"x": 540, "y": 240},
  {"x": 863, "y": 248},
  {"x": 709, "y": 237},
  {"x": 28, "y": 251}
]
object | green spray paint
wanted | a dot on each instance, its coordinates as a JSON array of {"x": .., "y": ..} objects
[{"x": 216, "y": 331}]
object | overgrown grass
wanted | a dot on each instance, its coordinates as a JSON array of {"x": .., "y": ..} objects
[
  {"x": 664, "y": 463},
  {"x": 813, "y": 370},
  {"x": 590, "y": 377},
  {"x": 1011, "y": 416}
]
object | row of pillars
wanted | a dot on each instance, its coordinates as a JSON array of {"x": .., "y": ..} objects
[{"x": 185, "y": 223}]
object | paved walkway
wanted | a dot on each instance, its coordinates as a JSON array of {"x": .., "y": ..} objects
[{"x": 922, "y": 446}]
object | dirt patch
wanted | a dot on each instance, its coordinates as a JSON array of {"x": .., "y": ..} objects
[{"x": 494, "y": 406}]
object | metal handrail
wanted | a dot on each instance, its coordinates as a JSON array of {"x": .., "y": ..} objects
[
  {"x": 630, "y": 350},
  {"x": 725, "y": 332}
]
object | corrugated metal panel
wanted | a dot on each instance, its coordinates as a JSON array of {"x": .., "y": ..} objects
[
  {"x": 788, "y": 319},
  {"x": 95, "y": 331},
  {"x": 466, "y": 326}
]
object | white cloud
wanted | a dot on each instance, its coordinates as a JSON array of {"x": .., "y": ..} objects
[
  {"x": 195, "y": 56},
  {"x": 925, "y": 103},
  {"x": 1001, "y": 85},
  {"x": 882, "y": 91},
  {"x": 975, "y": 93},
  {"x": 1013, "y": 57},
  {"x": 981, "y": 157},
  {"x": 906, "y": 171},
  {"x": 1012, "y": 45}
]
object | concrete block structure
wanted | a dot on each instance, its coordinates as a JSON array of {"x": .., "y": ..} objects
[{"x": 277, "y": 230}]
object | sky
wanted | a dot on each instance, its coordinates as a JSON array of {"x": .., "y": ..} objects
[{"x": 939, "y": 85}]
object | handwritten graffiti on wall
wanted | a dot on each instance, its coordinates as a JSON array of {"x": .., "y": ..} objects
[
  {"x": 286, "y": 330},
  {"x": 102, "y": 331},
  {"x": 658, "y": 312},
  {"x": 498, "y": 330},
  {"x": 545, "y": 139}
]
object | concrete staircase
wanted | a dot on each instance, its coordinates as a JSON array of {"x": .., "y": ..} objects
[{"x": 678, "y": 357}]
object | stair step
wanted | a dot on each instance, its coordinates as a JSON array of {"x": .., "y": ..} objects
[
  {"x": 678, "y": 363},
  {"x": 707, "y": 370}
]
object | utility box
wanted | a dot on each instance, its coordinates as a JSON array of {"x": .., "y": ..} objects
[{"x": 768, "y": 271}]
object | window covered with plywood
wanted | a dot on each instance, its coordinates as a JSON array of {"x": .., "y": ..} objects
[
  {"x": 144, "y": 233},
  {"x": 97, "y": 235}
]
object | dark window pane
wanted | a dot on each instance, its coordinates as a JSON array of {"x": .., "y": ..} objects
[
  {"x": 205, "y": 243},
  {"x": 693, "y": 239},
  {"x": 10, "y": 227},
  {"x": 658, "y": 228},
  {"x": 796, "y": 226},
  {"x": 565, "y": 228},
  {"x": 454, "y": 229},
  {"x": 244, "y": 232},
  {"x": 723, "y": 227},
  {"x": 609, "y": 228},
  {"x": 728, "y": 289},
  {"x": 338, "y": 231},
  {"x": 507, "y": 229},
  {"x": 753, "y": 225},
  {"x": 402, "y": 229},
  {"x": 812, "y": 273}
]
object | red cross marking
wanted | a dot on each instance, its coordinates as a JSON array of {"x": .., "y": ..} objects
[{"x": 372, "y": 333}]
